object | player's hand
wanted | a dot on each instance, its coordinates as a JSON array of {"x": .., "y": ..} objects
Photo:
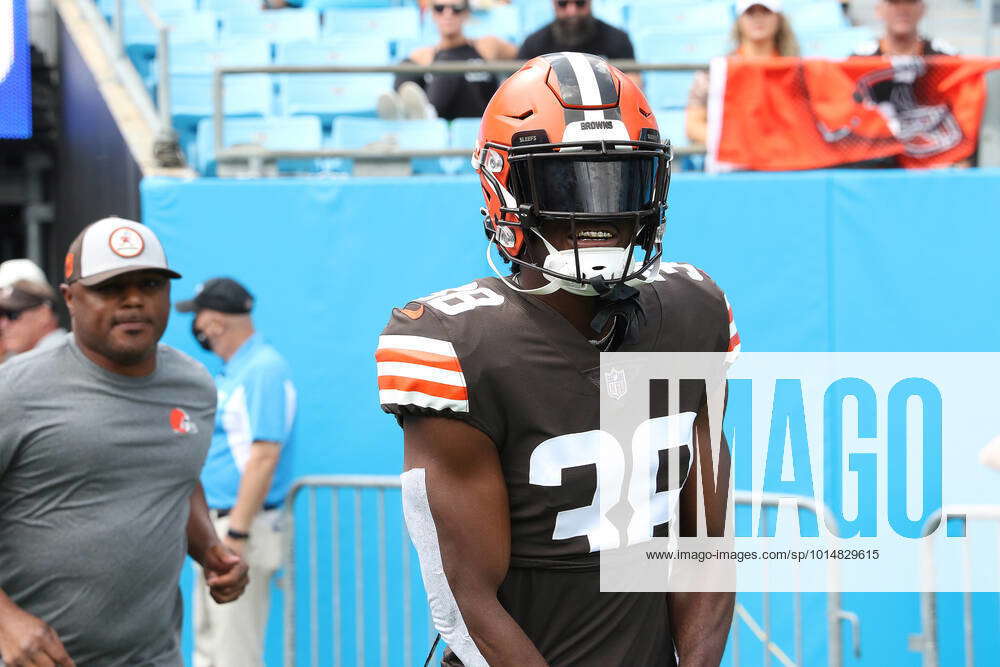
[
  {"x": 27, "y": 641},
  {"x": 225, "y": 573}
]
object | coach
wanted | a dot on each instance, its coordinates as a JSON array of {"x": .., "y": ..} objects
[
  {"x": 248, "y": 471},
  {"x": 101, "y": 441}
]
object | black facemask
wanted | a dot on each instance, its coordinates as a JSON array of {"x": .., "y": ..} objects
[{"x": 200, "y": 337}]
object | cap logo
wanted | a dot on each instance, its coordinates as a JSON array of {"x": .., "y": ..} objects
[
  {"x": 68, "y": 267},
  {"x": 126, "y": 242}
]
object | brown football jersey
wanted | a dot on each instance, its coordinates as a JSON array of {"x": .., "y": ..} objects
[{"x": 517, "y": 370}]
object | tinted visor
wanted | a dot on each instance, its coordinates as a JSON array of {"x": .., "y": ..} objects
[{"x": 588, "y": 185}]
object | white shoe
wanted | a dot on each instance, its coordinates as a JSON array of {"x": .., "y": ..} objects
[
  {"x": 389, "y": 106},
  {"x": 415, "y": 103}
]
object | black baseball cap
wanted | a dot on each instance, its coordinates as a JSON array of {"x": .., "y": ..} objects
[{"x": 222, "y": 294}]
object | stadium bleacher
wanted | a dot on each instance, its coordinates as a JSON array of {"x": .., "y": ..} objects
[{"x": 210, "y": 33}]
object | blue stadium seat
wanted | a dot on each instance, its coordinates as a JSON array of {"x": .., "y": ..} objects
[
  {"x": 612, "y": 11},
  {"x": 277, "y": 25},
  {"x": 328, "y": 95},
  {"x": 335, "y": 50},
  {"x": 503, "y": 22},
  {"x": 535, "y": 14},
  {"x": 232, "y": 6},
  {"x": 671, "y": 122},
  {"x": 817, "y": 16},
  {"x": 349, "y": 4},
  {"x": 391, "y": 22},
  {"x": 657, "y": 46},
  {"x": 836, "y": 44},
  {"x": 141, "y": 39},
  {"x": 464, "y": 133},
  {"x": 359, "y": 133},
  {"x": 299, "y": 133},
  {"x": 245, "y": 95},
  {"x": 668, "y": 90},
  {"x": 704, "y": 17},
  {"x": 204, "y": 57},
  {"x": 184, "y": 27}
]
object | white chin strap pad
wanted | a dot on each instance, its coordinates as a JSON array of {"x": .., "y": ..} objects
[{"x": 445, "y": 613}]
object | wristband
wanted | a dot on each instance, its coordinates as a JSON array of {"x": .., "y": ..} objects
[{"x": 237, "y": 534}]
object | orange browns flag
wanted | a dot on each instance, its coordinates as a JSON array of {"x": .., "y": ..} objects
[
  {"x": 781, "y": 114},
  {"x": 420, "y": 371}
]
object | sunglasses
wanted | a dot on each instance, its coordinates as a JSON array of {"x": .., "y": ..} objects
[
  {"x": 11, "y": 315},
  {"x": 580, "y": 4},
  {"x": 458, "y": 9}
]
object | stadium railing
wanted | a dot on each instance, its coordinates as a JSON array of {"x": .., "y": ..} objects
[
  {"x": 254, "y": 156},
  {"x": 166, "y": 141},
  {"x": 927, "y": 642},
  {"x": 357, "y": 487}
]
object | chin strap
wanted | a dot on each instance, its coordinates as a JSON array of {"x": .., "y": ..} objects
[{"x": 620, "y": 304}]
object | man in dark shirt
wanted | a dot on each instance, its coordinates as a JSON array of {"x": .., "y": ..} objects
[
  {"x": 577, "y": 29},
  {"x": 901, "y": 36}
]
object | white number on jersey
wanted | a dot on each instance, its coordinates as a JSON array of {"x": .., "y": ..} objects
[
  {"x": 650, "y": 507},
  {"x": 461, "y": 299}
]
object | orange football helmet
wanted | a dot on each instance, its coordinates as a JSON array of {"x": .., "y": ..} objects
[{"x": 571, "y": 139}]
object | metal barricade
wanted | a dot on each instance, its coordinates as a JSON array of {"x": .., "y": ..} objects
[
  {"x": 834, "y": 614},
  {"x": 927, "y": 642},
  {"x": 356, "y": 485}
]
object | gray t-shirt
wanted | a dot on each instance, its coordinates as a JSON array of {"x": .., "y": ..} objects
[{"x": 96, "y": 472}]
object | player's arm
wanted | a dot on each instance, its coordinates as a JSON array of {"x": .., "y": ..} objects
[
  {"x": 225, "y": 571},
  {"x": 28, "y": 640},
  {"x": 700, "y": 622},
  {"x": 455, "y": 501}
]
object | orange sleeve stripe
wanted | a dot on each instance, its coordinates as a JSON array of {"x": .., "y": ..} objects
[
  {"x": 730, "y": 315},
  {"x": 418, "y": 357},
  {"x": 424, "y": 387},
  {"x": 734, "y": 341}
]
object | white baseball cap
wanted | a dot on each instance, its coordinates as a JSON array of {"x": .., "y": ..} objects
[
  {"x": 743, "y": 5},
  {"x": 111, "y": 247},
  {"x": 17, "y": 270}
]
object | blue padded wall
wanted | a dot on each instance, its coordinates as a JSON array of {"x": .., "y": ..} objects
[{"x": 837, "y": 260}]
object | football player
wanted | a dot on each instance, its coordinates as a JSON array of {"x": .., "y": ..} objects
[{"x": 496, "y": 383}]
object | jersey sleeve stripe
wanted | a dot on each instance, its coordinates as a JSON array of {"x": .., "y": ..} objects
[
  {"x": 418, "y": 357},
  {"x": 423, "y": 386},
  {"x": 734, "y": 342},
  {"x": 420, "y": 372},
  {"x": 417, "y": 343},
  {"x": 421, "y": 400}
]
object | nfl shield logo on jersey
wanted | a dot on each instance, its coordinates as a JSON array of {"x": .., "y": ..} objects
[{"x": 614, "y": 381}]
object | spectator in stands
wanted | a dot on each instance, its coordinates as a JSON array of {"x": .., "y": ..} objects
[
  {"x": 28, "y": 317},
  {"x": 447, "y": 96},
  {"x": 577, "y": 29},
  {"x": 901, "y": 36},
  {"x": 761, "y": 30}
]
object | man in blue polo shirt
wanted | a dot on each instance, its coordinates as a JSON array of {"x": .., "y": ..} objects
[{"x": 248, "y": 470}]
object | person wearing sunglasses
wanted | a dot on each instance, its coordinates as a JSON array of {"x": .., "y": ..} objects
[
  {"x": 447, "y": 96},
  {"x": 28, "y": 319},
  {"x": 575, "y": 28}
]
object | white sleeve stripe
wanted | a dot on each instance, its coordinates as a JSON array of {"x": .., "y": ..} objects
[
  {"x": 421, "y": 400},
  {"x": 420, "y": 372},
  {"x": 419, "y": 343}
]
